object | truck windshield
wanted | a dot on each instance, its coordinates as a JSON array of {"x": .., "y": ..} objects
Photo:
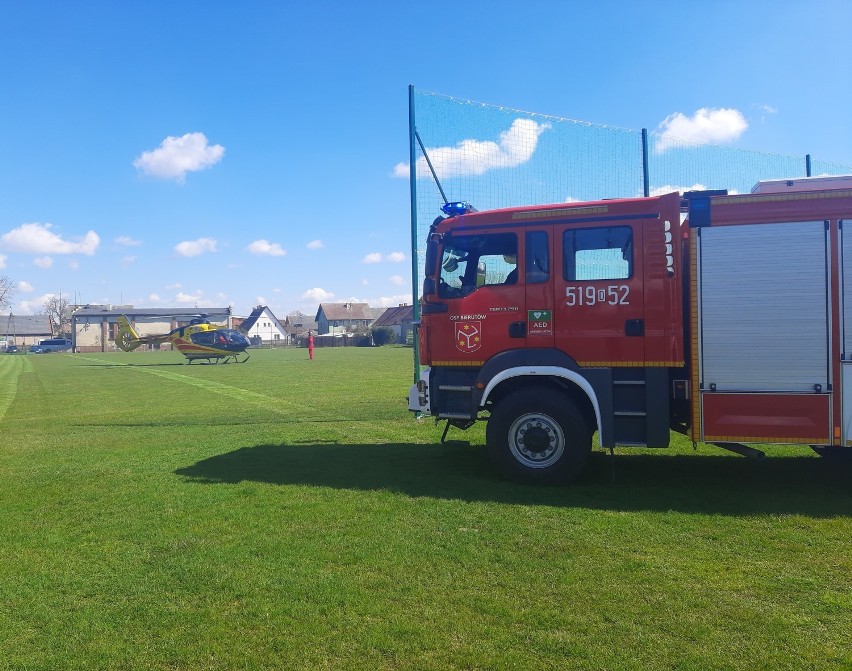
[{"x": 471, "y": 262}]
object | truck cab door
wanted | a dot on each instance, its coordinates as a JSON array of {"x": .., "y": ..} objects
[
  {"x": 600, "y": 317},
  {"x": 483, "y": 290}
]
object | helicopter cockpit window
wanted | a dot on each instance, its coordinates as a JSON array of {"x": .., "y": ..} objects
[
  {"x": 471, "y": 262},
  {"x": 202, "y": 337},
  {"x": 236, "y": 338}
]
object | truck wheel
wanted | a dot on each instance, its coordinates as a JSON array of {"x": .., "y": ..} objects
[{"x": 538, "y": 436}]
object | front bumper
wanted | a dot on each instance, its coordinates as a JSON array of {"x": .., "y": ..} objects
[{"x": 418, "y": 395}]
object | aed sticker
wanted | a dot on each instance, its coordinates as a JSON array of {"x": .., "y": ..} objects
[{"x": 539, "y": 322}]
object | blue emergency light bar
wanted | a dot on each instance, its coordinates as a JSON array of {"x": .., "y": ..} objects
[{"x": 457, "y": 208}]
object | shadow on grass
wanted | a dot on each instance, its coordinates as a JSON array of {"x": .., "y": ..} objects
[{"x": 694, "y": 483}]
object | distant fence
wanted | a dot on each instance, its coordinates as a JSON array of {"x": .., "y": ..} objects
[
  {"x": 496, "y": 157},
  {"x": 341, "y": 340}
]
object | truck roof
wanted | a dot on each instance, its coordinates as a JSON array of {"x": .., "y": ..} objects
[
  {"x": 530, "y": 215},
  {"x": 821, "y": 183}
]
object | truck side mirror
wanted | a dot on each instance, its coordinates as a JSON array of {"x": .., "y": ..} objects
[{"x": 431, "y": 256}]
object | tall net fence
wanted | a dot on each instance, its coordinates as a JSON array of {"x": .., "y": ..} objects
[{"x": 496, "y": 157}]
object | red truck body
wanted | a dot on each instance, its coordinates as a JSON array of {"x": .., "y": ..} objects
[{"x": 721, "y": 316}]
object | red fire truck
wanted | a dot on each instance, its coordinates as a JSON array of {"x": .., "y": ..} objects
[{"x": 725, "y": 317}]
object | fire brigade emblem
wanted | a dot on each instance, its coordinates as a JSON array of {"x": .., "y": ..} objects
[{"x": 468, "y": 336}]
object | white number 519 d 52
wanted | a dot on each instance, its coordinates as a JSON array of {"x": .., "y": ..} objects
[{"x": 614, "y": 294}]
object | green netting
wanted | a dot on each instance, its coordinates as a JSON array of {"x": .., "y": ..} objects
[
  {"x": 677, "y": 165},
  {"x": 497, "y": 157}
]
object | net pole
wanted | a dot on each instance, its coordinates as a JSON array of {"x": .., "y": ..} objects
[{"x": 415, "y": 275}]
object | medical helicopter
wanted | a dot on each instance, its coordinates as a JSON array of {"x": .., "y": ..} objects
[{"x": 197, "y": 341}]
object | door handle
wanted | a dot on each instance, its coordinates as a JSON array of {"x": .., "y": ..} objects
[
  {"x": 634, "y": 327},
  {"x": 518, "y": 330}
]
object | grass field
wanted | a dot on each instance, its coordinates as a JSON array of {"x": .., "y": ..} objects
[{"x": 293, "y": 515}]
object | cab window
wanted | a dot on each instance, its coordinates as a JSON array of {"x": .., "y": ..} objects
[
  {"x": 471, "y": 262},
  {"x": 598, "y": 253}
]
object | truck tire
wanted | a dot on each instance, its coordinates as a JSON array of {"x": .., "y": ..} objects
[{"x": 538, "y": 436}]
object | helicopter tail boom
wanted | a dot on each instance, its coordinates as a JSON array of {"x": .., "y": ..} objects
[{"x": 126, "y": 337}]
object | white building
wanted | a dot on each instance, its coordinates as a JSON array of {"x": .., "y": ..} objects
[{"x": 264, "y": 325}]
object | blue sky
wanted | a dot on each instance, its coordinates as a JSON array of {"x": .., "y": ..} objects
[{"x": 172, "y": 154}]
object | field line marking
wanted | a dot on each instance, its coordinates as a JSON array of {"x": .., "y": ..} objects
[
  {"x": 267, "y": 402},
  {"x": 11, "y": 368}
]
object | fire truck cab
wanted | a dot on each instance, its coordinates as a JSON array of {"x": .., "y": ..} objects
[{"x": 618, "y": 317}]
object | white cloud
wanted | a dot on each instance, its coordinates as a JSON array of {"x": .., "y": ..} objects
[
  {"x": 376, "y": 257},
  {"x": 37, "y": 238},
  {"x": 475, "y": 157},
  {"x": 28, "y": 307},
  {"x": 25, "y": 287},
  {"x": 173, "y": 287},
  {"x": 765, "y": 111},
  {"x": 127, "y": 241},
  {"x": 260, "y": 300},
  {"x": 182, "y": 297},
  {"x": 154, "y": 298},
  {"x": 317, "y": 294},
  {"x": 195, "y": 247},
  {"x": 399, "y": 280},
  {"x": 177, "y": 156},
  {"x": 266, "y": 248},
  {"x": 706, "y": 126},
  {"x": 43, "y": 262},
  {"x": 34, "y": 306},
  {"x": 2, "y": 261},
  {"x": 127, "y": 261},
  {"x": 74, "y": 264},
  {"x": 668, "y": 188},
  {"x": 315, "y": 244},
  {"x": 382, "y": 301}
]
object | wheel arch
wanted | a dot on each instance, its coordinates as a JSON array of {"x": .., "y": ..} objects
[{"x": 563, "y": 379}]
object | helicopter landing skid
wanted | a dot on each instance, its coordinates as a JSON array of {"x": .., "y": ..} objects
[{"x": 212, "y": 360}]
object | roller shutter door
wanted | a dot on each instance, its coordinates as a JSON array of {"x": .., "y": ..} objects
[{"x": 763, "y": 307}]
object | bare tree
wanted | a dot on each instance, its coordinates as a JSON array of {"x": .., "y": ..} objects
[
  {"x": 6, "y": 290},
  {"x": 56, "y": 309}
]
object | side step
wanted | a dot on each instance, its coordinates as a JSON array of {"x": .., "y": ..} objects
[
  {"x": 454, "y": 401},
  {"x": 640, "y": 410}
]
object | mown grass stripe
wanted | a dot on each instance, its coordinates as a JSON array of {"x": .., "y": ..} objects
[
  {"x": 11, "y": 368},
  {"x": 266, "y": 402}
]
